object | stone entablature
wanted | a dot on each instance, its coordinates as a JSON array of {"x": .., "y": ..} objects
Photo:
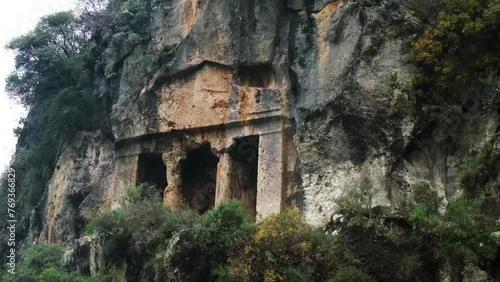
[{"x": 219, "y": 136}]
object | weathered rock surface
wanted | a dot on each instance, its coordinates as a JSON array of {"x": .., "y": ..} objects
[
  {"x": 86, "y": 255},
  {"x": 329, "y": 78},
  {"x": 79, "y": 187},
  {"x": 181, "y": 261}
]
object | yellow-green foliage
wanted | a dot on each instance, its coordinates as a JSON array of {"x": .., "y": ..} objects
[
  {"x": 460, "y": 47},
  {"x": 284, "y": 248}
]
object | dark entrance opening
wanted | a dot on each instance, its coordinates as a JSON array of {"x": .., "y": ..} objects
[
  {"x": 255, "y": 76},
  {"x": 199, "y": 172},
  {"x": 244, "y": 165},
  {"x": 153, "y": 171}
]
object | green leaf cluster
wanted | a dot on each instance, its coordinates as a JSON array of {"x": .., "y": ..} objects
[
  {"x": 43, "y": 263},
  {"x": 139, "y": 228},
  {"x": 462, "y": 235},
  {"x": 48, "y": 59},
  {"x": 480, "y": 171},
  {"x": 459, "y": 49},
  {"x": 284, "y": 248},
  {"x": 51, "y": 79},
  {"x": 55, "y": 64}
]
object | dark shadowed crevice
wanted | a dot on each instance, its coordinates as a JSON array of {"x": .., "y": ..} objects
[
  {"x": 244, "y": 165},
  {"x": 255, "y": 76},
  {"x": 422, "y": 143},
  {"x": 152, "y": 170},
  {"x": 198, "y": 178},
  {"x": 74, "y": 208}
]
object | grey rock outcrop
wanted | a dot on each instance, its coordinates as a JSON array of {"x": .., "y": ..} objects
[{"x": 335, "y": 71}]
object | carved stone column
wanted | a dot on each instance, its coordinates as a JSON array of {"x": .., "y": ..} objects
[
  {"x": 270, "y": 175},
  {"x": 223, "y": 181},
  {"x": 172, "y": 197}
]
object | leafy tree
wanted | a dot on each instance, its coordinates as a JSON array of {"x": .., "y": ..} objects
[
  {"x": 48, "y": 59},
  {"x": 460, "y": 48},
  {"x": 51, "y": 78},
  {"x": 284, "y": 248},
  {"x": 96, "y": 16},
  {"x": 99, "y": 17}
]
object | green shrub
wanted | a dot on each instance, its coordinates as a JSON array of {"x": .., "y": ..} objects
[
  {"x": 492, "y": 93},
  {"x": 465, "y": 232},
  {"x": 151, "y": 225},
  {"x": 428, "y": 197},
  {"x": 462, "y": 234},
  {"x": 40, "y": 256},
  {"x": 140, "y": 227},
  {"x": 42, "y": 263},
  {"x": 112, "y": 227},
  {"x": 221, "y": 273},
  {"x": 142, "y": 193},
  {"x": 426, "y": 206},
  {"x": 359, "y": 198},
  {"x": 50, "y": 275},
  {"x": 284, "y": 248},
  {"x": 418, "y": 214},
  {"x": 107, "y": 224},
  {"x": 68, "y": 110},
  {"x": 112, "y": 274},
  {"x": 136, "y": 15},
  {"x": 480, "y": 169},
  {"x": 220, "y": 231},
  {"x": 350, "y": 274}
]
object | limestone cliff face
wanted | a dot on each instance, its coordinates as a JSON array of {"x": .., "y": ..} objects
[
  {"x": 319, "y": 90},
  {"x": 79, "y": 187}
]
